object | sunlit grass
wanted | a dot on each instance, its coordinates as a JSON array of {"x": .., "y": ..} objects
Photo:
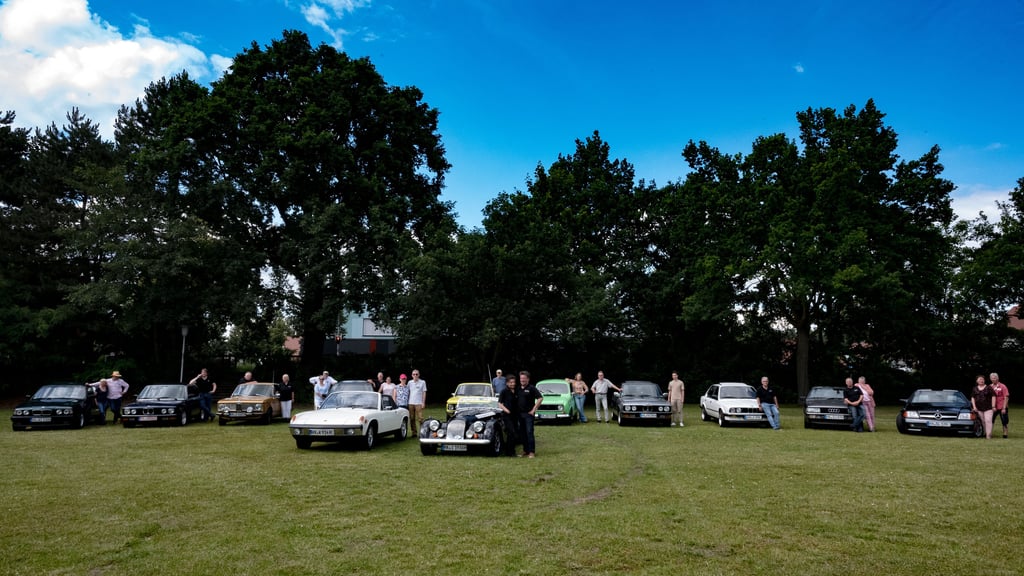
[{"x": 598, "y": 499}]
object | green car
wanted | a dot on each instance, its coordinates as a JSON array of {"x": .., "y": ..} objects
[{"x": 558, "y": 405}]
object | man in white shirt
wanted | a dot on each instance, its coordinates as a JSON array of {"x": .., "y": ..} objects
[
  {"x": 321, "y": 387},
  {"x": 417, "y": 400},
  {"x": 600, "y": 390}
]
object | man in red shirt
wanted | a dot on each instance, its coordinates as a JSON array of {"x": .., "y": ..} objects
[{"x": 1000, "y": 402}]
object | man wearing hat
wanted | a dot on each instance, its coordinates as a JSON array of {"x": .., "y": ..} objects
[{"x": 116, "y": 389}]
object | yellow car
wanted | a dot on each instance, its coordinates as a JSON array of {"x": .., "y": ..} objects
[
  {"x": 257, "y": 401},
  {"x": 470, "y": 392}
]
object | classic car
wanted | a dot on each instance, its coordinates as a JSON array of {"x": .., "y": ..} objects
[
  {"x": 351, "y": 415},
  {"x": 558, "y": 405},
  {"x": 57, "y": 405},
  {"x": 940, "y": 411},
  {"x": 468, "y": 390},
  {"x": 641, "y": 401},
  {"x": 824, "y": 407},
  {"x": 731, "y": 403},
  {"x": 351, "y": 386},
  {"x": 475, "y": 427},
  {"x": 252, "y": 401},
  {"x": 162, "y": 404}
]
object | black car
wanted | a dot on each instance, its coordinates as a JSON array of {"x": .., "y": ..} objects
[
  {"x": 942, "y": 411},
  {"x": 57, "y": 405},
  {"x": 162, "y": 404},
  {"x": 639, "y": 402},
  {"x": 824, "y": 407},
  {"x": 475, "y": 427}
]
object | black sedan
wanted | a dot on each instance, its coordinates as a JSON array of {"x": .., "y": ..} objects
[
  {"x": 475, "y": 427},
  {"x": 58, "y": 405},
  {"x": 824, "y": 407},
  {"x": 162, "y": 404},
  {"x": 942, "y": 411},
  {"x": 640, "y": 402}
]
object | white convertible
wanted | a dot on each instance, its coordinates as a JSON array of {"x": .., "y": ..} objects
[
  {"x": 351, "y": 415},
  {"x": 731, "y": 403}
]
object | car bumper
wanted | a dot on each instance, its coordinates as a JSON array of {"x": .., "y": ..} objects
[
  {"x": 829, "y": 419},
  {"x": 327, "y": 433},
  {"x": 27, "y": 422},
  {"x": 149, "y": 419},
  {"x": 646, "y": 416},
  {"x": 745, "y": 418},
  {"x": 242, "y": 416},
  {"x": 946, "y": 426},
  {"x": 552, "y": 416}
]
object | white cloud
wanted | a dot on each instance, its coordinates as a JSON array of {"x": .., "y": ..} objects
[
  {"x": 799, "y": 68},
  {"x": 323, "y": 13},
  {"x": 56, "y": 55},
  {"x": 969, "y": 200}
]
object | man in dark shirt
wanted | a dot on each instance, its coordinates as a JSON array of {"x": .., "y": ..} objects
[
  {"x": 769, "y": 403},
  {"x": 529, "y": 400},
  {"x": 854, "y": 399},
  {"x": 206, "y": 388},
  {"x": 508, "y": 400},
  {"x": 287, "y": 395}
]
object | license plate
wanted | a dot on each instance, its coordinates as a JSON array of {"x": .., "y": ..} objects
[
  {"x": 940, "y": 424},
  {"x": 752, "y": 417},
  {"x": 238, "y": 414},
  {"x": 147, "y": 418},
  {"x": 834, "y": 417},
  {"x": 41, "y": 419},
  {"x": 454, "y": 448},
  {"x": 321, "y": 432},
  {"x": 542, "y": 416},
  {"x": 648, "y": 415}
]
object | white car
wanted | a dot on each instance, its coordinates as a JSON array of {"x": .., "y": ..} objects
[
  {"x": 731, "y": 403},
  {"x": 351, "y": 416}
]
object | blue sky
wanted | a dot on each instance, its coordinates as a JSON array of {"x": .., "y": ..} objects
[{"x": 518, "y": 82}]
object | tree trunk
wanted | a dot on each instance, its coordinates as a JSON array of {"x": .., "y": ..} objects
[{"x": 803, "y": 354}]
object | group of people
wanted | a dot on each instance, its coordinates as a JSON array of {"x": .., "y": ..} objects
[
  {"x": 860, "y": 400},
  {"x": 109, "y": 393},
  {"x": 990, "y": 400},
  {"x": 410, "y": 394},
  {"x": 519, "y": 402}
]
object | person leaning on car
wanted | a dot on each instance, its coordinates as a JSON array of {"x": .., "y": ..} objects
[
  {"x": 853, "y": 397},
  {"x": 206, "y": 388},
  {"x": 116, "y": 389},
  {"x": 600, "y": 389},
  {"x": 508, "y": 401},
  {"x": 768, "y": 402}
]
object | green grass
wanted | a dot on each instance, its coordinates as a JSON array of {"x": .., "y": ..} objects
[{"x": 598, "y": 499}]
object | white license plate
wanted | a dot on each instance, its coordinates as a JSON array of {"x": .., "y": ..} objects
[
  {"x": 542, "y": 416},
  {"x": 147, "y": 418},
  {"x": 834, "y": 417},
  {"x": 454, "y": 448},
  {"x": 940, "y": 424},
  {"x": 752, "y": 417},
  {"x": 321, "y": 432},
  {"x": 238, "y": 414},
  {"x": 648, "y": 415},
  {"x": 41, "y": 419}
]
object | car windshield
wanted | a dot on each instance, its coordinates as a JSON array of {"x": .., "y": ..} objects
[
  {"x": 643, "y": 389},
  {"x": 553, "y": 388},
  {"x": 345, "y": 385},
  {"x": 349, "y": 399},
  {"x": 473, "y": 390},
  {"x": 477, "y": 406},
  {"x": 254, "y": 390},
  {"x": 736, "y": 392},
  {"x": 825, "y": 394},
  {"x": 163, "y": 392},
  {"x": 939, "y": 397},
  {"x": 61, "y": 391}
]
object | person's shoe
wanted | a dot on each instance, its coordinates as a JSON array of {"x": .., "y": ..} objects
[
  {"x": 1005, "y": 436},
  {"x": 530, "y": 455},
  {"x": 681, "y": 424}
]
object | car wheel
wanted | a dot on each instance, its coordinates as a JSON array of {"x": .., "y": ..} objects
[
  {"x": 183, "y": 419},
  {"x": 721, "y": 420},
  {"x": 496, "y": 446},
  {"x": 428, "y": 449},
  {"x": 807, "y": 423},
  {"x": 703, "y": 415},
  {"x": 303, "y": 443},
  {"x": 81, "y": 421},
  {"x": 268, "y": 416},
  {"x": 979, "y": 429},
  {"x": 222, "y": 421},
  {"x": 901, "y": 426},
  {"x": 618, "y": 419},
  {"x": 18, "y": 428},
  {"x": 403, "y": 430},
  {"x": 371, "y": 436}
]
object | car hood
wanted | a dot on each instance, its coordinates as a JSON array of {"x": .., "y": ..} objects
[
  {"x": 932, "y": 407},
  {"x": 245, "y": 399},
  {"x": 474, "y": 415},
  {"x": 153, "y": 402},
  {"x": 738, "y": 402},
  {"x": 826, "y": 402},
  {"x": 49, "y": 403},
  {"x": 644, "y": 401},
  {"x": 331, "y": 416}
]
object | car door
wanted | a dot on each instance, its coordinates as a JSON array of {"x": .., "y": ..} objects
[
  {"x": 390, "y": 418},
  {"x": 712, "y": 406}
]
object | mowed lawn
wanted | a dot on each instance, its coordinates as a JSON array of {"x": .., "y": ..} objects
[{"x": 598, "y": 499}]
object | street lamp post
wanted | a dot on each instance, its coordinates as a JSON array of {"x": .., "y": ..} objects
[{"x": 181, "y": 374}]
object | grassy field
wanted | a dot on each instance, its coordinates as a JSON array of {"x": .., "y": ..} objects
[{"x": 598, "y": 499}]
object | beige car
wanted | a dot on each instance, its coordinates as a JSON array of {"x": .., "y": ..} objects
[{"x": 257, "y": 401}]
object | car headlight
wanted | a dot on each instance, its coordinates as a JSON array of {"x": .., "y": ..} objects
[
  {"x": 910, "y": 414},
  {"x": 433, "y": 425},
  {"x": 813, "y": 410},
  {"x": 478, "y": 427},
  {"x": 258, "y": 408},
  {"x": 964, "y": 416},
  {"x": 248, "y": 409}
]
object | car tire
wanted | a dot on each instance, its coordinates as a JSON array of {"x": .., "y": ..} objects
[
  {"x": 807, "y": 423},
  {"x": 81, "y": 421},
  {"x": 403, "y": 431},
  {"x": 222, "y": 421},
  {"x": 428, "y": 449},
  {"x": 371, "y": 436},
  {"x": 901, "y": 426},
  {"x": 721, "y": 420},
  {"x": 303, "y": 443},
  {"x": 979, "y": 429},
  {"x": 496, "y": 445},
  {"x": 183, "y": 419},
  {"x": 268, "y": 416},
  {"x": 703, "y": 415},
  {"x": 618, "y": 419}
]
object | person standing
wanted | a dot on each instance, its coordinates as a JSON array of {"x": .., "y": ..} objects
[
  {"x": 402, "y": 394},
  {"x": 869, "y": 401},
  {"x": 508, "y": 401},
  {"x": 101, "y": 397},
  {"x": 321, "y": 388},
  {"x": 579, "y": 395},
  {"x": 377, "y": 383},
  {"x": 981, "y": 403},
  {"x": 676, "y": 395},
  {"x": 286, "y": 394},
  {"x": 498, "y": 382},
  {"x": 388, "y": 388},
  {"x": 116, "y": 389},
  {"x": 417, "y": 399},
  {"x": 529, "y": 400},
  {"x": 854, "y": 400},
  {"x": 206, "y": 388},
  {"x": 1001, "y": 403},
  {"x": 768, "y": 402},
  {"x": 600, "y": 389},
  {"x": 246, "y": 378}
]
